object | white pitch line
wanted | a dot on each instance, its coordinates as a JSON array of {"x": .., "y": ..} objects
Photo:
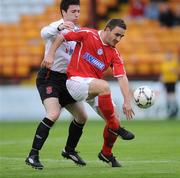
[
  {"x": 13, "y": 142},
  {"x": 96, "y": 161}
]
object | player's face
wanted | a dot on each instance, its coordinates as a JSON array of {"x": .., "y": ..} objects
[
  {"x": 72, "y": 14},
  {"x": 114, "y": 35}
]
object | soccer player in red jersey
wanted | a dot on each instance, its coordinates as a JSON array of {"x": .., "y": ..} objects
[{"x": 94, "y": 52}]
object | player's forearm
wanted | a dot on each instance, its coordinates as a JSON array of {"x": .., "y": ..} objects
[
  {"x": 124, "y": 86},
  {"x": 58, "y": 41}
]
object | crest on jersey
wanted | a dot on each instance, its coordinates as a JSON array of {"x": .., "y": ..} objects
[
  {"x": 69, "y": 51},
  {"x": 49, "y": 90},
  {"x": 100, "y": 51}
]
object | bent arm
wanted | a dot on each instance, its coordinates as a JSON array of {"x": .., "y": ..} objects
[
  {"x": 58, "y": 41},
  {"x": 49, "y": 57},
  {"x": 52, "y": 30}
]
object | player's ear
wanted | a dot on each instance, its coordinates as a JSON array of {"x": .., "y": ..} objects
[
  {"x": 107, "y": 29},
  {"x": 64, "y": 13}
]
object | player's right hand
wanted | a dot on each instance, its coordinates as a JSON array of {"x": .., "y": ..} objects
[{"x": 67, "y": 25}]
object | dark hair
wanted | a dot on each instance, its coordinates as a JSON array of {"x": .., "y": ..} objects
[
  {"x": 64, "y": 5},
  {"x": 116, "y": 22}
]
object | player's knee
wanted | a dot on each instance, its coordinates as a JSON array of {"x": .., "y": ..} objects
[
  {"x": 53, "y": 115},
  {"x": 82, "y": 118},
  {"x": 105, "y": 89}
]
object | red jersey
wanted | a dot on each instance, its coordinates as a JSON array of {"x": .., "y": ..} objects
[{"x": 91, "y": 56}]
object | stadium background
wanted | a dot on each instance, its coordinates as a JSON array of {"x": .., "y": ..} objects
[{"x": 143, "y": 49}]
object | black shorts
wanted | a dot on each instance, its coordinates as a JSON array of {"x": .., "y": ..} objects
[
  {"x": 53, "y": 84},
  {"x": 170, "y": 87}
]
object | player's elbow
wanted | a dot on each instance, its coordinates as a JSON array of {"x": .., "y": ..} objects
[
  {"x": 43, "y": 34},
  {"x": 122, "y": 77}
]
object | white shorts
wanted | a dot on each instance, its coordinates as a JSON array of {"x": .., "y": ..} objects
[{"x": 78, "y": 87}]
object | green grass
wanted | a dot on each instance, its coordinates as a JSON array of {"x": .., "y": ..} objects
[{"x": 155, "y": 153}]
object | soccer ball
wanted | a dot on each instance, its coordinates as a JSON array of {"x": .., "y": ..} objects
[{"x": 144, "y": 97}]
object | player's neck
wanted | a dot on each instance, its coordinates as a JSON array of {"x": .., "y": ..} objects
[{"x": 103, "y": 37}]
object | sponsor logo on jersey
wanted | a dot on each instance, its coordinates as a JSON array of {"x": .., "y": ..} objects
[
  {"x": 94, "y": 61},
  {"x": 100, "y": 51},
  {"x": 69, "y": 51}
]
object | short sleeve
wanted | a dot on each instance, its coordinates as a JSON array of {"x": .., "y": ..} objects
[{"x": 118, "y": 65}]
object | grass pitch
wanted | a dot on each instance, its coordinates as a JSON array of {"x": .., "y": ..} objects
[{"x": 154, "y": 153}]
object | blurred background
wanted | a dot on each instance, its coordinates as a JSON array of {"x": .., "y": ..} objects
[{"x": 150, "y": 47}]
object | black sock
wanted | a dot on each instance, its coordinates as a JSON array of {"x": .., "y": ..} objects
[
  {"x": 75, "y": 132},
  {"x": 41, "y": 135}
]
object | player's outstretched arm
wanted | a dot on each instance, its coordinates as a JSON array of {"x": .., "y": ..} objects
[{"x": 124, "y": 86}]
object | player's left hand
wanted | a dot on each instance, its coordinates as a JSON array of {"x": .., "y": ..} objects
[{"x": 128, "y": 111}]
